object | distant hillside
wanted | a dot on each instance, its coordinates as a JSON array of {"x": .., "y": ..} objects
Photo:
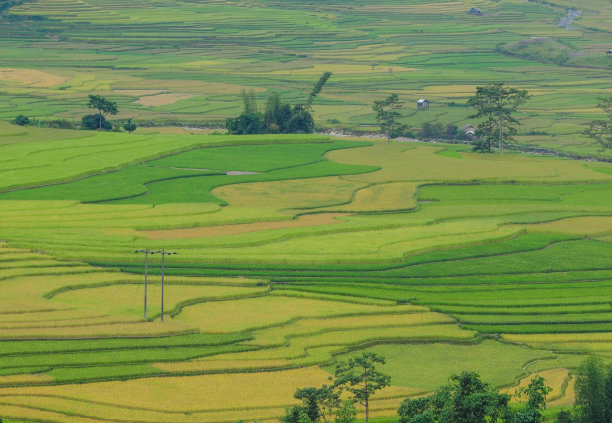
[{"x": 187, "y": 61}]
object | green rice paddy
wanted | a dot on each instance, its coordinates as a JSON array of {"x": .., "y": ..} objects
[{"x": 293, "y": 253}]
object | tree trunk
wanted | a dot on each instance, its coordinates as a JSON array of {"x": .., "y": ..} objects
[
  {"x": 100, "y": 121},
  {"x": 367, "y": 411}
]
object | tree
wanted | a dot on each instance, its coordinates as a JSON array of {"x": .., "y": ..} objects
[
  {"x": 536, "y": 393},
  {"x": 360, "y": 377},
  {"x": 94, "y": 122},
  {"x": 102, "y": 105},
  {"x": 496, "y": 104},
  {"x": 346, "y": 414},
  {"x": 21, "y": 120},
  {"x": 317, "y": 89},
  {"x": 386, "y": 113},
  {"x": 296, "y": 414},
  {"x": 129, "y": 126},
  {"x": 601, "y": 130},
  {"x": 465, "y": 399},
  {"x": 591, "y": 391},
  {"x": 319, "y": 403}
]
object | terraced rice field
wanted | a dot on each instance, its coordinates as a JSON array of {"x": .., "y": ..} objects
[
  {"x": 187, "y": 62},
  {"x": 293, "y": 252}
]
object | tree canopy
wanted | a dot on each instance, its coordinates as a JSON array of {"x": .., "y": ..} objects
[
  {"x": 496, "y": 104},
  {"x": 278, "y": 117},
  {"x": 601, "y": 129},
  {"x": 102, "y": 105},
  {"x": 387, "y": 113}
]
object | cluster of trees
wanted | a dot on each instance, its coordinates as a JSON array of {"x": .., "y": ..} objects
[
  {"x": 93, "y": 122},
  {"x": 357, "y": 376},
  {"x": 593, "y": 394},
  {"x": 278, "y": 117},
  {"x": 464, "y": 399},
  {"x": 495, "y": 103}
]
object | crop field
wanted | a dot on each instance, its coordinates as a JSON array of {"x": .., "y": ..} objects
[
  {"x": 293, "y": 252},
  {"x": 173, "y": 61}
]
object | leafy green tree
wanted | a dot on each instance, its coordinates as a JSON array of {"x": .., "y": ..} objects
[
  {"x": 319, "y": 403},
  {"x": 317, "y": 89},
  {"x": 129, "y": 126},
  {"x": 536, "y": 393},
  {"x": 102, "y": 105},
  {"x": 496, "y": 104},
  {"x": 591, "y": 391},
  {"x": 565, "y": 416},
  {"x": 601, "y": 130},
  {"x": 431, "y": 130},
  {"x": 608, "y": 396},
  {"x": 296, "y": 414},
  {"x": 21, "y": 120},
  {"x": 465, "y": 399},
  {"x": 387, "y": 113},
  {"x": 94, "y": 122},
  {"x": 347, "y": 413},
  {"x": 361, "y": 378}
]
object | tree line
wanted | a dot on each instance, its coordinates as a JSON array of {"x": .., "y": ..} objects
[
  {"x": 495, "y": 105},
  {"x": 93, "y": 122},
  {"x": 465, "y": 398}
]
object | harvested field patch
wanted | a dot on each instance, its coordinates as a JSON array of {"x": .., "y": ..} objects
[
  {"x": 162, "y": 99},
  {"x": 31, "y": 77}
]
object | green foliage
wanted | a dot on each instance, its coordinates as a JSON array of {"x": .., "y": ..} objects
[
  {"x": 278, "y": 117},
  {"x": 21, "y": 120},
  {"x": 387, "y": 113},
  {"x": 296, "y": 414},
  {"x": 102, "y": 105},
  {"x": 465, "y": 399},
  {"x": 592, "y": 401},
  {"x": 129, "y": 126},
  {"x": 96, "y": 122},
  {"x": 496, "y": 104},
  {"x": 347, "y": 413},
  {"x": 319, "y": 403},
  {"x": 317, "y": 89},
  {"x": 601, "y": 130},
  {"x": 360, "y": 377}
]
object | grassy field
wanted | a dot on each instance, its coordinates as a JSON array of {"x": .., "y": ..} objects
[
  {"x": 186, "y": 62},
  {"x": 294, "y": 252}
]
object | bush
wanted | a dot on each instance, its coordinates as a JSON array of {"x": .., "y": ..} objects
[
  {"x": 129, "y": 126},
  {"x": 60, "y": 124},
  {"x": 246, "y": 123},
  {"x": 22, "y": 120},
  {"x": 93, "y": 122}
]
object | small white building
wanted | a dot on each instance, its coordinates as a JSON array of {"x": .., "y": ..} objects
[{"x": 423, "y": 104}]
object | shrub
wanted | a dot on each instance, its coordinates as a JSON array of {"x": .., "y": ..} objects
[
  {"x": 129, "y": 126},
  {"x": 22, "y": 120},
  {"x": 93, "y": 122}
]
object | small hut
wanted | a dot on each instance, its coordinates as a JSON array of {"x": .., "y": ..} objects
[
  {"x": 423, "y": 104},
  {"x": 469, "y": 131}
]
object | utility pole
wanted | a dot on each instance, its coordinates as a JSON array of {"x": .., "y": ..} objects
[
  {"x": 146, "y": 253},
  {"x": 163, "y": 253}
]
